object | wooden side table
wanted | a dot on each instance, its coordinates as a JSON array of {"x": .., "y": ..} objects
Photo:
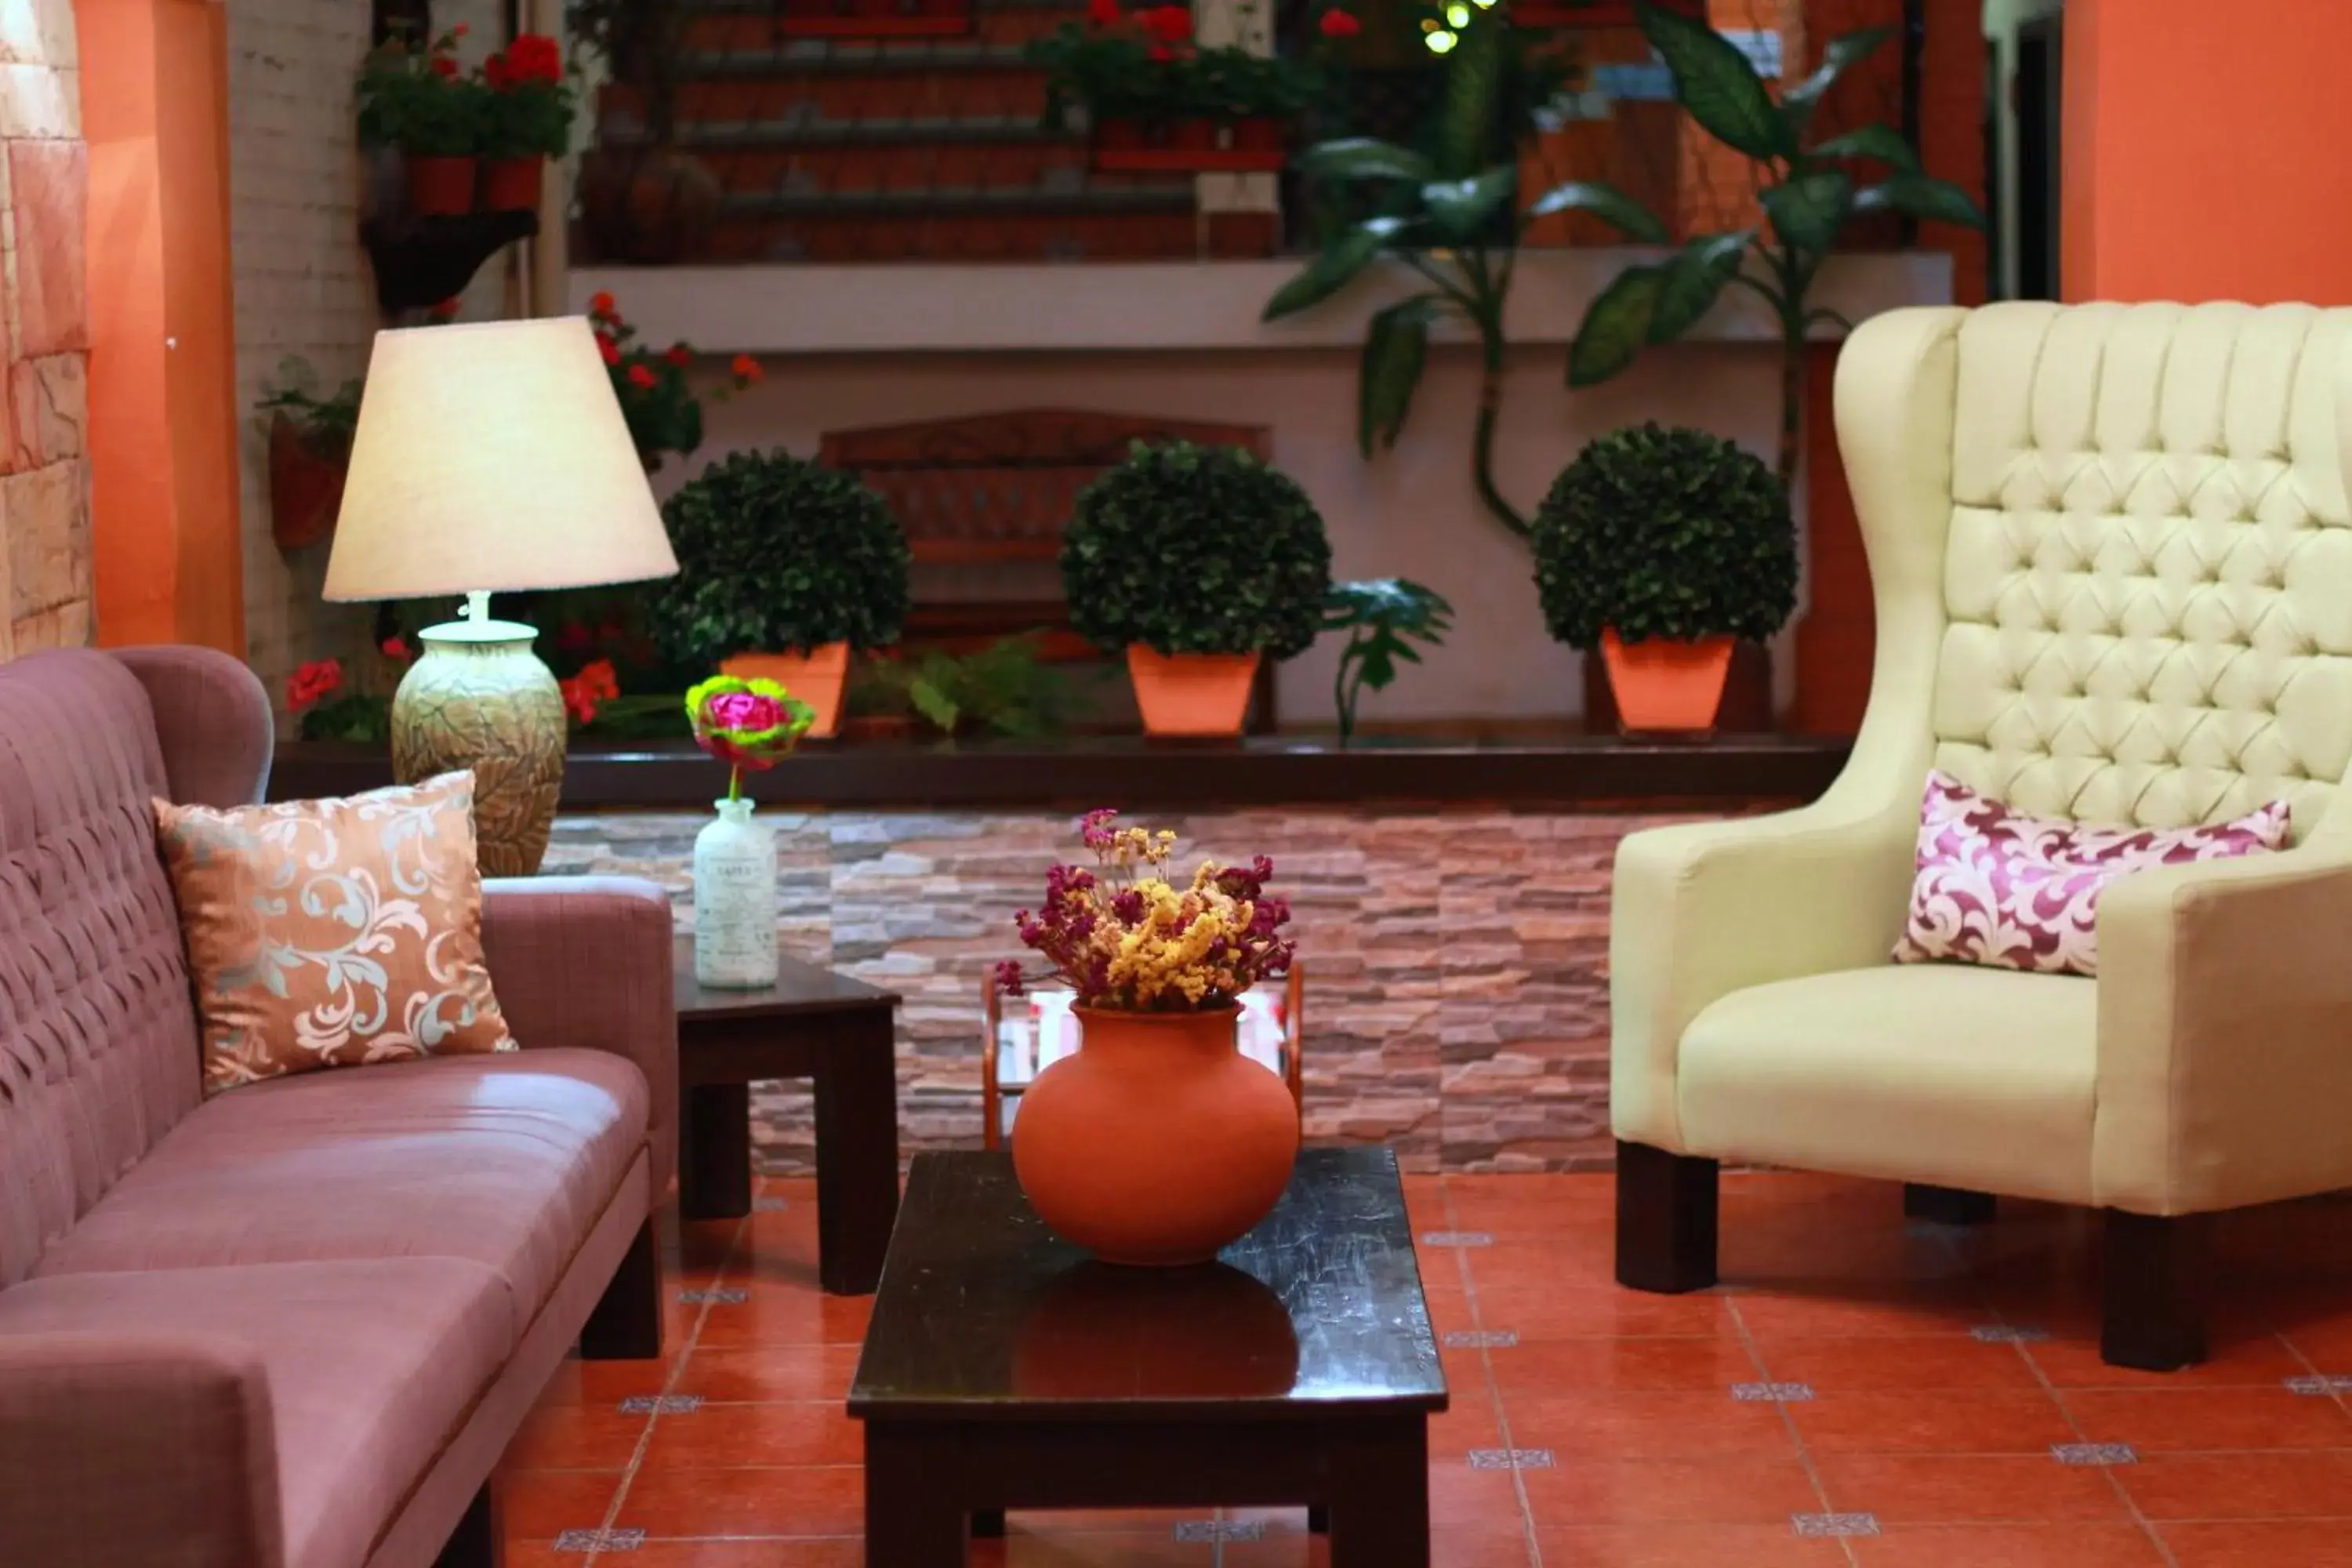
[{"x": 840, "y": 1033}]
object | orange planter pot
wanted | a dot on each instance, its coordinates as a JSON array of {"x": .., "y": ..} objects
[
  {"x": 1665, "y": 687},
  {"x": 441, "y": 187},
  {"x": 817, "y": 678},
  {"x": 1192, "y": 694},
  {"x": 513, "y": 184},
  {"x": 1157, "y": 1143}
]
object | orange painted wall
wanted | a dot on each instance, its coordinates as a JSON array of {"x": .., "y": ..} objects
[
  {"x": 2204, "y": 149},
  {"x": 162, "y": 401}
]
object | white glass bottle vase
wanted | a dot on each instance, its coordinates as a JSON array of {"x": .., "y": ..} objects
[{"x": 735, "y": 901}]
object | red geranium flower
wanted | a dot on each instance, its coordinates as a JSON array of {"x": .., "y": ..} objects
[
  {"x": 496, "y": 71},
  {"x": 746, "y": 369},
  {"x": 461, "y": 29},
  {"x": 608, "y": 347},
  {"x": 395, "y": 646},
  {"x": 1338, "y": 24},
  {"x": 642, "y": 376},
  {"x": 1169, "y": 24},
  {"x": 321, "y": 678},
  {"x": 1103, "y": 13},
  {"x": 601, "y": 306},
  {"x": 680, "y": 355},
  {"x": 443, "y": 66},
  {"x": 447, "y": 310},
  {"x": 535, "y": 58}
]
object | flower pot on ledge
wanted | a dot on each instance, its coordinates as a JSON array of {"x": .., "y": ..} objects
[
  {"x": 817, "y": 678},
  {"x": 1192, "y": 694},
  {"x": 1665, "y": 685},
  {"x": 441, "y": 187},
  {"x": 513, "y": 184},
  {"x": 1191, "y": 144}
]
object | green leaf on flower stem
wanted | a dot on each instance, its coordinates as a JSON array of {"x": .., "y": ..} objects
[
  {"x": 1396, "y": 347},
  {"x": 1605, "y": 202},
  {"x": 1694, "y": 280},
  {"x": 1921, "y": 196},
  {"x": 1844, "y": 53},
  {"x": 1332, "y": 270},
  {"x": 1718, "y": 84},
  {"x": 1468, "y": 126},
  {"x": 1883, "y": 143},
  {"x": 1615, "y": 327},
  {"x": 1809, "y": 210},
  {"x": 1365, "y": 158},
  {"x": 1460, "y": 207}
]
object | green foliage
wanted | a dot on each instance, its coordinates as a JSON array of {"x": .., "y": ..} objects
[
  {"x": 1664, "y": 533},
  {"x": 1196, "y": 550},
  {"x": 1117, "y": 73},
  {"x": 357, "y": 718},
  {"x": 776, "y": 554},
  {"x": 1383, "y": 617},
  {"x": 416, "y": 99},
  {"x": 329, "y": 422},
  {"x": 1005, "y": 688}
]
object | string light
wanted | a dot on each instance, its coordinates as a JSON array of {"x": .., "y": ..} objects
[
  {"x": 1440, "y": 41},
  {"x": 1457, "y": 16}
]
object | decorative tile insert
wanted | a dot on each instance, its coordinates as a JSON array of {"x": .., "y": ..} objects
[
  {"x": 729, "y": 1297},
  {"x": 1833, "y": 1524},
  {"x": 1456, "y": 1239},
  {"x": 1771, "y": 1393},
  {"x": 661, "y": 1404},
  {"x": 599, "y": 1540},
  {"x": 1481, "y": 1339},
  {"x": 1220, "y": 1530},
  {"x": 1510, "y": 1459},
  {"x": 2008, "y": 1334},
  {"x": 2093, "y": 1453},
  {"x": 2321, "y": 1385}
]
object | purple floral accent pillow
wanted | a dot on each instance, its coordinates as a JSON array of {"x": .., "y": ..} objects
[{"x": 1998, "y": 888}]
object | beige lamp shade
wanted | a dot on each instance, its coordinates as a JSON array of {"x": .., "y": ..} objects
[{"x": 492, "y": 456}]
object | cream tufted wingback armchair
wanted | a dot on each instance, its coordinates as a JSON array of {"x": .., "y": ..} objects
[{"x": 2113, "y": 563}]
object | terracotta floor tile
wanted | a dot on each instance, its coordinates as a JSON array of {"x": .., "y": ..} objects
[
  {"x": 2011, "y": 1546},
  {"x": 1685, "y": 1546},
  {"x": 768, "y": 1374},
  {"x": 736, "y": 1554},
  {"x": 578, "y": 1381},
  {"x": 1789, "y": 1311},
  {"x": 576, "y": 1438},
  {"x": 2263, "y": 1361},
  {"x": 1559, "y": 1310},
  {"x": 1856, "y": 1363},
  {"x": 2153, "y": 1419},
  {"x": 2285, "y": 1485},
  {"x": 1460, "y": 1496},
  {"x": 1470, "y": 1424},
  {"x": 1950, "y": 1421},
  {"x": 731, "y": 1434},
  {"x": 1565, "y": 1365},
  {"x": 540, "y": 1505},
  {"x": 776, "y": 1315},
  {"x": 724, "y": 1502},
  {"x": 2278, "y": 1544},
  {"x": 1580, "y": 1490},
  {"x": 1968, "y": 1488},
  {"x": 1633, "y": 1426}
]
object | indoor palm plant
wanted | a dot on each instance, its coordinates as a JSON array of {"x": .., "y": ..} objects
[
  {"x": 1196, "y": 563},
  {"x": 783, "y": 566},
  {"x": 1383, "y": 617},
  {"x": 1659, "y": 548}
]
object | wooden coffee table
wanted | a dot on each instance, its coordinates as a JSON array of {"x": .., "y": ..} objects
[
  {"x": 1004, "y": 1369},
  {"x": 839, "y": 1033}
]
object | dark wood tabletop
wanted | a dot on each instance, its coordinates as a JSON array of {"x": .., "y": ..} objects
[
  {"x": 800, "y": 989},
  {"x": 984, "y": 1313}
]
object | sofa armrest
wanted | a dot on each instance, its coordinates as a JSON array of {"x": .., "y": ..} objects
[
  {"x": 2225, "y": 1032},
  {"x": 122, "y": 1448},
  {"x": 587, "y": 962}
]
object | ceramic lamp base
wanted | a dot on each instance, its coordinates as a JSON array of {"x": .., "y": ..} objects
[{"x": 479, "y": 698}]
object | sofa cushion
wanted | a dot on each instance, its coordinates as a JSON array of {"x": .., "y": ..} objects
[
  {"x": 1963, "y": 1076},
  {"x": 507, "y": 1160},
  {"x": 373, "y": 1367}
]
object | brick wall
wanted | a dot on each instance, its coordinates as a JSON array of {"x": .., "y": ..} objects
[{"x": 44, "y": 569}]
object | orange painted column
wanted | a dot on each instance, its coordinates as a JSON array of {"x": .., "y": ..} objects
[
  {"x": 2204, "y": 151},
  {"x": 163, "y": 384}
]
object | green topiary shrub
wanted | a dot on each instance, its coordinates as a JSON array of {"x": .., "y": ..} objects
[
  {"x": 1196, "y": 550},
  {"x": 776, "y": 554},
  {"x": 1664, "y": 533}
]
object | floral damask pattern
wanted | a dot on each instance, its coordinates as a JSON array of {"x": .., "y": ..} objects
[
  {"x": 334, "y": 932},
  {"x": 1998, "y": 888}
]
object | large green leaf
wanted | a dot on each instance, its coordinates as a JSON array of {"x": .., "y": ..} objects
[
  {"x": 1468, "y": 118},
  {"x": 1718, "y": 84},
  {"x": 1809, "y": 210},
  {"x": 1615, "y": 327},
  {"x": 1694, "y": 280},
  {"x": 1331, "y": 272},
  {"x": 1396, "y": 347},
  {"x": 1882, "y": 143},
  {"x": 1605, "y": 202},
  {"x": 1921, "y": 196},
  {"x": 1460, "y": 207},
  {"x": 1364, "y": 158},
  {"x": 1844, "y": 53}
]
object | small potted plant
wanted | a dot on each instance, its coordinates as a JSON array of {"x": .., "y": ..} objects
[
  {"x": 657, "y": 398},
  {"x": 745, "y": 724},
  {"x": 526, "y": 120},
  {"x": 1659, "y": 548},
  {"x": 309, "y": 454},
  {"x": 1157, "y": 1143},
  {"x": 784, "y": 567},
  {"x": 1196, "y": 563},
  {"x": 421, "y": 102},
  {"x": 1383, "y": 617}
]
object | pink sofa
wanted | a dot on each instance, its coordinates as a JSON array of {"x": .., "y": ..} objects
[{"x": 295, "y": 1326}]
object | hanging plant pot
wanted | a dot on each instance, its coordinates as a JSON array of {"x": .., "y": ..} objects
[
  {"x": 1191, "y": 144},
  {"x": 1191, "y": 693},
  {"x": 513, "y": 184},
  {"x": 875, "y": 18},
  {"x": 1666, "y": 687},
  {"x": 441, "y": 187},
  {"x": 306, "y": 489},
  {"x": 817, "y": 678}
]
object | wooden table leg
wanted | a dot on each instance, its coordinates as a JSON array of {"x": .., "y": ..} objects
[
  {"x": 1378, "y": 1509},
  {"x": 857, "y": 1156},
  {"x": 913, "y": 1519},
  {"x": 714, "y": 1167}
]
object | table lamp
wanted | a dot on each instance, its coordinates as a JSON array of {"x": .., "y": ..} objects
[{"x": 490, "y": 459}]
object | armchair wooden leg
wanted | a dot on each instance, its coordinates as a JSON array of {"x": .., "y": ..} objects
[
  {"x": 1946, "y": 1205},
  {"x": 478, "y": 1542},
  {"x": 2153, "y": 1312},
  {"x": 626, "y": 1324},
  {"x": 1665, "y": 1219}
]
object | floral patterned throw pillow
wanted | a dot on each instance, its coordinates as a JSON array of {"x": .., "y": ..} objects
[
  {"x": 1998, "y": 888},
  {"x": 326, "y": 933}
]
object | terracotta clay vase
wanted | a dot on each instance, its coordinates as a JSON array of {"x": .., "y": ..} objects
[
  {"x": 441, "y": 187},
  {"x": 1663, "y": 686},
  {"x": 1156, "y": 1142},
  {"x": 817, "y": 678},
  {"x": 513, "y": 184},
  {"x": 1191, "y": 693}
]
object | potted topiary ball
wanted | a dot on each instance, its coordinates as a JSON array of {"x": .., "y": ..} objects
[
  {"x": 1196, "y": 563},
  {"x": 783, "y": 566},
  {"x": 1660, "y": 547}
]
